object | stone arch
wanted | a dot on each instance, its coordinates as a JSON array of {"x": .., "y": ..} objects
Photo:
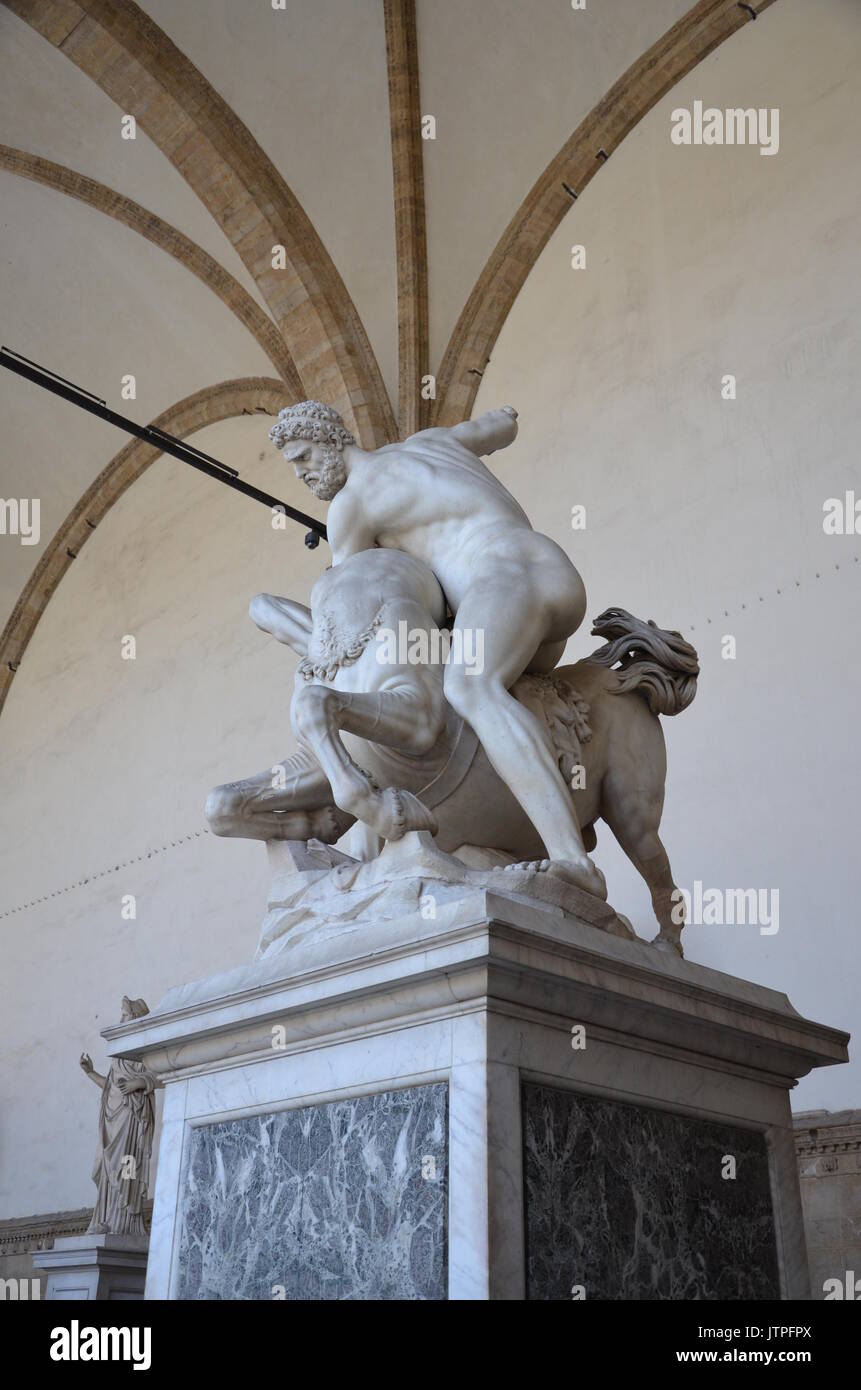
[
  {"x": 706, "y": 25},
  {"x": 167, "y": 238},
  {"x": 243, "y": 396},
  {"x": 134, "y": 62}
]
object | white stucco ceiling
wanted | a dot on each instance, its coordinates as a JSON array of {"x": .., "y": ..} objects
[
  {"x": 310, "y": 83},
  {"x": 507, "y": 83},
  {"x": 50, "y": 108},
  {"x": 90, "y": 299}
]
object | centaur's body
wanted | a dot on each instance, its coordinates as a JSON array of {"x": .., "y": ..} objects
[
  {"x": 432, "y": 497},
  {"x": 380, "y": 743}
]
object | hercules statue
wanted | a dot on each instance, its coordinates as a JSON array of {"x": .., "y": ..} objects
[{"x": 433, "y": 498}]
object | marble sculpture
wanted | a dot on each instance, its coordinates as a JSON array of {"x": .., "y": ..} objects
[
  {"x": 126, "y": 1125},
  {"x": 428, "y": 705}
]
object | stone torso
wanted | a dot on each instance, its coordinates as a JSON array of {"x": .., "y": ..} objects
[{"x": 433, "y": 499}]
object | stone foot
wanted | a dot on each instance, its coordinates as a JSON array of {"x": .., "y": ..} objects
[
  {"x": 582, "y": 873},
  {"x": 668, "y": 943}
]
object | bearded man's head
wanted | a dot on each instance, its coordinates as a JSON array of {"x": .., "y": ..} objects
[{"x": 312, "y": 437}]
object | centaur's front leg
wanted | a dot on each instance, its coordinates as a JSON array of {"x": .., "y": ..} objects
[
  {"x": 290, "y": 801},
  {"x": 408, "y": 717}
]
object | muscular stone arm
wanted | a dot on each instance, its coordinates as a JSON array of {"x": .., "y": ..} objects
[
  {"x": 284, "y": 619},
  {"x": 349, "y": 533},
  {"x": 496, "y": 429}
]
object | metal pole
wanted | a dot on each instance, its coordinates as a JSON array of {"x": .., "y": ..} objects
[{"x": 151, "y": 434}]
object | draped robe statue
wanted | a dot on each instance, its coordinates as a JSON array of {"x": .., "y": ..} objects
[{"x": 126, "y": 1125}]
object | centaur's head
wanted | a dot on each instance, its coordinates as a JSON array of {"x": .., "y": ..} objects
[{"x": 312, "y": 436}]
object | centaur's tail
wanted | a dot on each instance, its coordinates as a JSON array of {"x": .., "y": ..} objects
[{"x": 659, "y": 665}]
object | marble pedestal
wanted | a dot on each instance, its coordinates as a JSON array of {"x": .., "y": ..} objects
[
  {"x": 94, "y": 1267},
  {"x": 404, "y": 1111}
]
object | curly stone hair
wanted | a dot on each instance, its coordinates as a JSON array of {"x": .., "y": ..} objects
[{"x": 311, "y": 420}]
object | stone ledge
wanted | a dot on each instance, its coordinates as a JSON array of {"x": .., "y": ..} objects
[
  {"x": 22, "y": 1235},
  {"x": 491, "y": 954},
  {"x": 91, "y": 1250}
]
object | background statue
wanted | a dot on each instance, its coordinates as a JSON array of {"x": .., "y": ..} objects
[
  {"x": 379, "y": 742},
  {"x": 126, "y": 1125}
]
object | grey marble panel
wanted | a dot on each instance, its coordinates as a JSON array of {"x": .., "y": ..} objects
[
  {"x": 339, "y": 1201},
  {"x": 629, "y": 1202}
]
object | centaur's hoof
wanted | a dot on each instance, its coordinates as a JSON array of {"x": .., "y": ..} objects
[
  {"x": 397, "y": 812},
  {"x": 667, "y": 943},
  {"x": 581, "y": 873}
]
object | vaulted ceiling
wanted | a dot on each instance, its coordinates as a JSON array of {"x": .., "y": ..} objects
[{"x": 296, "y": 125}]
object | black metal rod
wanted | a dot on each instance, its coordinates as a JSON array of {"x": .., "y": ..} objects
[
  {"x": 152, "y": 434},
  {"x": 56, "y": 375},
  {"x": 193, "y": 449}
]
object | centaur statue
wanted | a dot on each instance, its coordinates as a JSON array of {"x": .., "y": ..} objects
[{"x": 510, "y": 753}]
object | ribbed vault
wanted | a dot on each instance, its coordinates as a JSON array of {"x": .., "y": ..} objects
[
  {"x": 706, "y": 25},
  {"x": 314, "y": 338},
  {"x": 134, "y": 62},
  {"x": 167, "y": 238},
  {"x": 222, "y": 402}
]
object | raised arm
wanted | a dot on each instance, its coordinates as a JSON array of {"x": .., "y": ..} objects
[
  {"x": 496, "y": 429},
  {"x": 286, "y": 620},
  {"x": 86, "y": 1063}
]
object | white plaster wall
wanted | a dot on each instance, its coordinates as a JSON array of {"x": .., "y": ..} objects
[
  {"x": 700, "y": 262},
  {"x": 706, "y": 514},
  {"x": 508, "y": 83},
  {"x": 104, "y": 769}
]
